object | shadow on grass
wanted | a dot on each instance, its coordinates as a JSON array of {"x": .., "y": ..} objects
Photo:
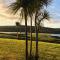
[{"x": 31, "y": 57}]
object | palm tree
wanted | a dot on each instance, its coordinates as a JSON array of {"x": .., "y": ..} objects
[
  {"x": 31, "y": 39},
  {"x": 46, "y": 2},
  {"x": 22, "y": 6},
  {"x": 17, "y": 25},
  {"x": 37, "y": 6},
  {"x": 36, "y": 30},
  {"x": 27, "y": 7}
]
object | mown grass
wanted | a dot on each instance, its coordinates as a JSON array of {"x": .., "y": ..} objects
[{"x": 12, "y": 49}]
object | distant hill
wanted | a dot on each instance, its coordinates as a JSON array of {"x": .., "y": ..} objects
[
  {"x": 50, "y": 30},
  {"x": 22, "y": 29}
]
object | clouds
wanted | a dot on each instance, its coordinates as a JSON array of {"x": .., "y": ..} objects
[
  {"x": 5, "y": 13},
  {"x": 8, "y": 2},
  {"x": 8, "y": 19},
  {"x": 5, "y": 17},
  {"x": 54, "y": 9},
  {"x": 52, "y": 24}
]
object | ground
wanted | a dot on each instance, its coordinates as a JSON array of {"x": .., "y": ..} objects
[{"x": 12, "y": 49}]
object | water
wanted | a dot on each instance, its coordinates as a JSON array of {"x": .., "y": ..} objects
[
  {"x": 55, "y": 35},
  {"x": 11, "y": 32},
  {"x": 58, "y": 35}
]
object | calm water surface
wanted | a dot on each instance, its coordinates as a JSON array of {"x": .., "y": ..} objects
[{"x": 55, "y": 35}]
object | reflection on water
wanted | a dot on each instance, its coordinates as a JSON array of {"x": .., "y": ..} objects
[
  {"x": 55, "y": 35},
  {"x": 11, "y": 32}
]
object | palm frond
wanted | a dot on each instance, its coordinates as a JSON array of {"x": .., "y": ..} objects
[
  {"x": 46, "y": 15},
  {"x": 14, "y": 7},
  {"x": 46, "y": 2},
  {"x": 17, "y": 24}
]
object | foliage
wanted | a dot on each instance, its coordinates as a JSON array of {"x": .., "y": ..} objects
[{"x": 11, "y": 49}]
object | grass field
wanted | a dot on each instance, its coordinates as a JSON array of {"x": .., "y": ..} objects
[
  {"x": 11, "y": 49},
  {"x": 41, "y": 36}
]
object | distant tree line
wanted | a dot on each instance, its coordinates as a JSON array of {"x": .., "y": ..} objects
[{"x": 22, "y": 28}]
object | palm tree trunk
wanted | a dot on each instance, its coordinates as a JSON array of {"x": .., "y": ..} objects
[
  {"x": 36, "y": 30},
  {"x": 17, "y": 33},
  {"x": 20, "y": 31},
  {"x": 36, "y": 44},
  {"x": 31, "y": 39},
  {"x": 26, "y": 36}
]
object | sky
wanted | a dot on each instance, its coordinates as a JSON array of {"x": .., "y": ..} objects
[
  {"x": 8, "y": 19},
  {"x": 54, "y": 9}
]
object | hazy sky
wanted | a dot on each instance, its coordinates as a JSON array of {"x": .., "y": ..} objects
[
  {"x": 8, "y": 19},
  {"x": 5, "y": 17}
]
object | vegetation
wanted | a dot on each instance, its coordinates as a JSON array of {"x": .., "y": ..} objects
[
  {"x": 22, "y": 29},
  {"x": 41, "y": 37},
  {"x": 27, "y": 7},
  {"x": 31, "y": 38},
  {"x": 38, "y": 19},
  {"x": 12, "y": 49},
  {"x": 17, "y": 25}
]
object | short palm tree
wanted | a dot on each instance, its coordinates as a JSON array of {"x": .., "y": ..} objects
[{"x": 17, "y": 25}]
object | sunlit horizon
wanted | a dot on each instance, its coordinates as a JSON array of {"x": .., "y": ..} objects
[{"x": 7, "y": 19}]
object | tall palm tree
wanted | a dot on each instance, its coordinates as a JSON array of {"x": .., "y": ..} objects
[
  {"x": 22, "y": 6},
  {"x": 31, "y": 39},
  {"x": 17, "y": 25},
  {"x": 27, "y": 7},
  {"x": 36, "y": 31},
  {"x": 45, "y": 3},
  {"x": 37, "y": 6}
]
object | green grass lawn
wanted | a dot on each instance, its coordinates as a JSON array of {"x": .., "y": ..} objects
[{"x": 11, "y": 49}]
